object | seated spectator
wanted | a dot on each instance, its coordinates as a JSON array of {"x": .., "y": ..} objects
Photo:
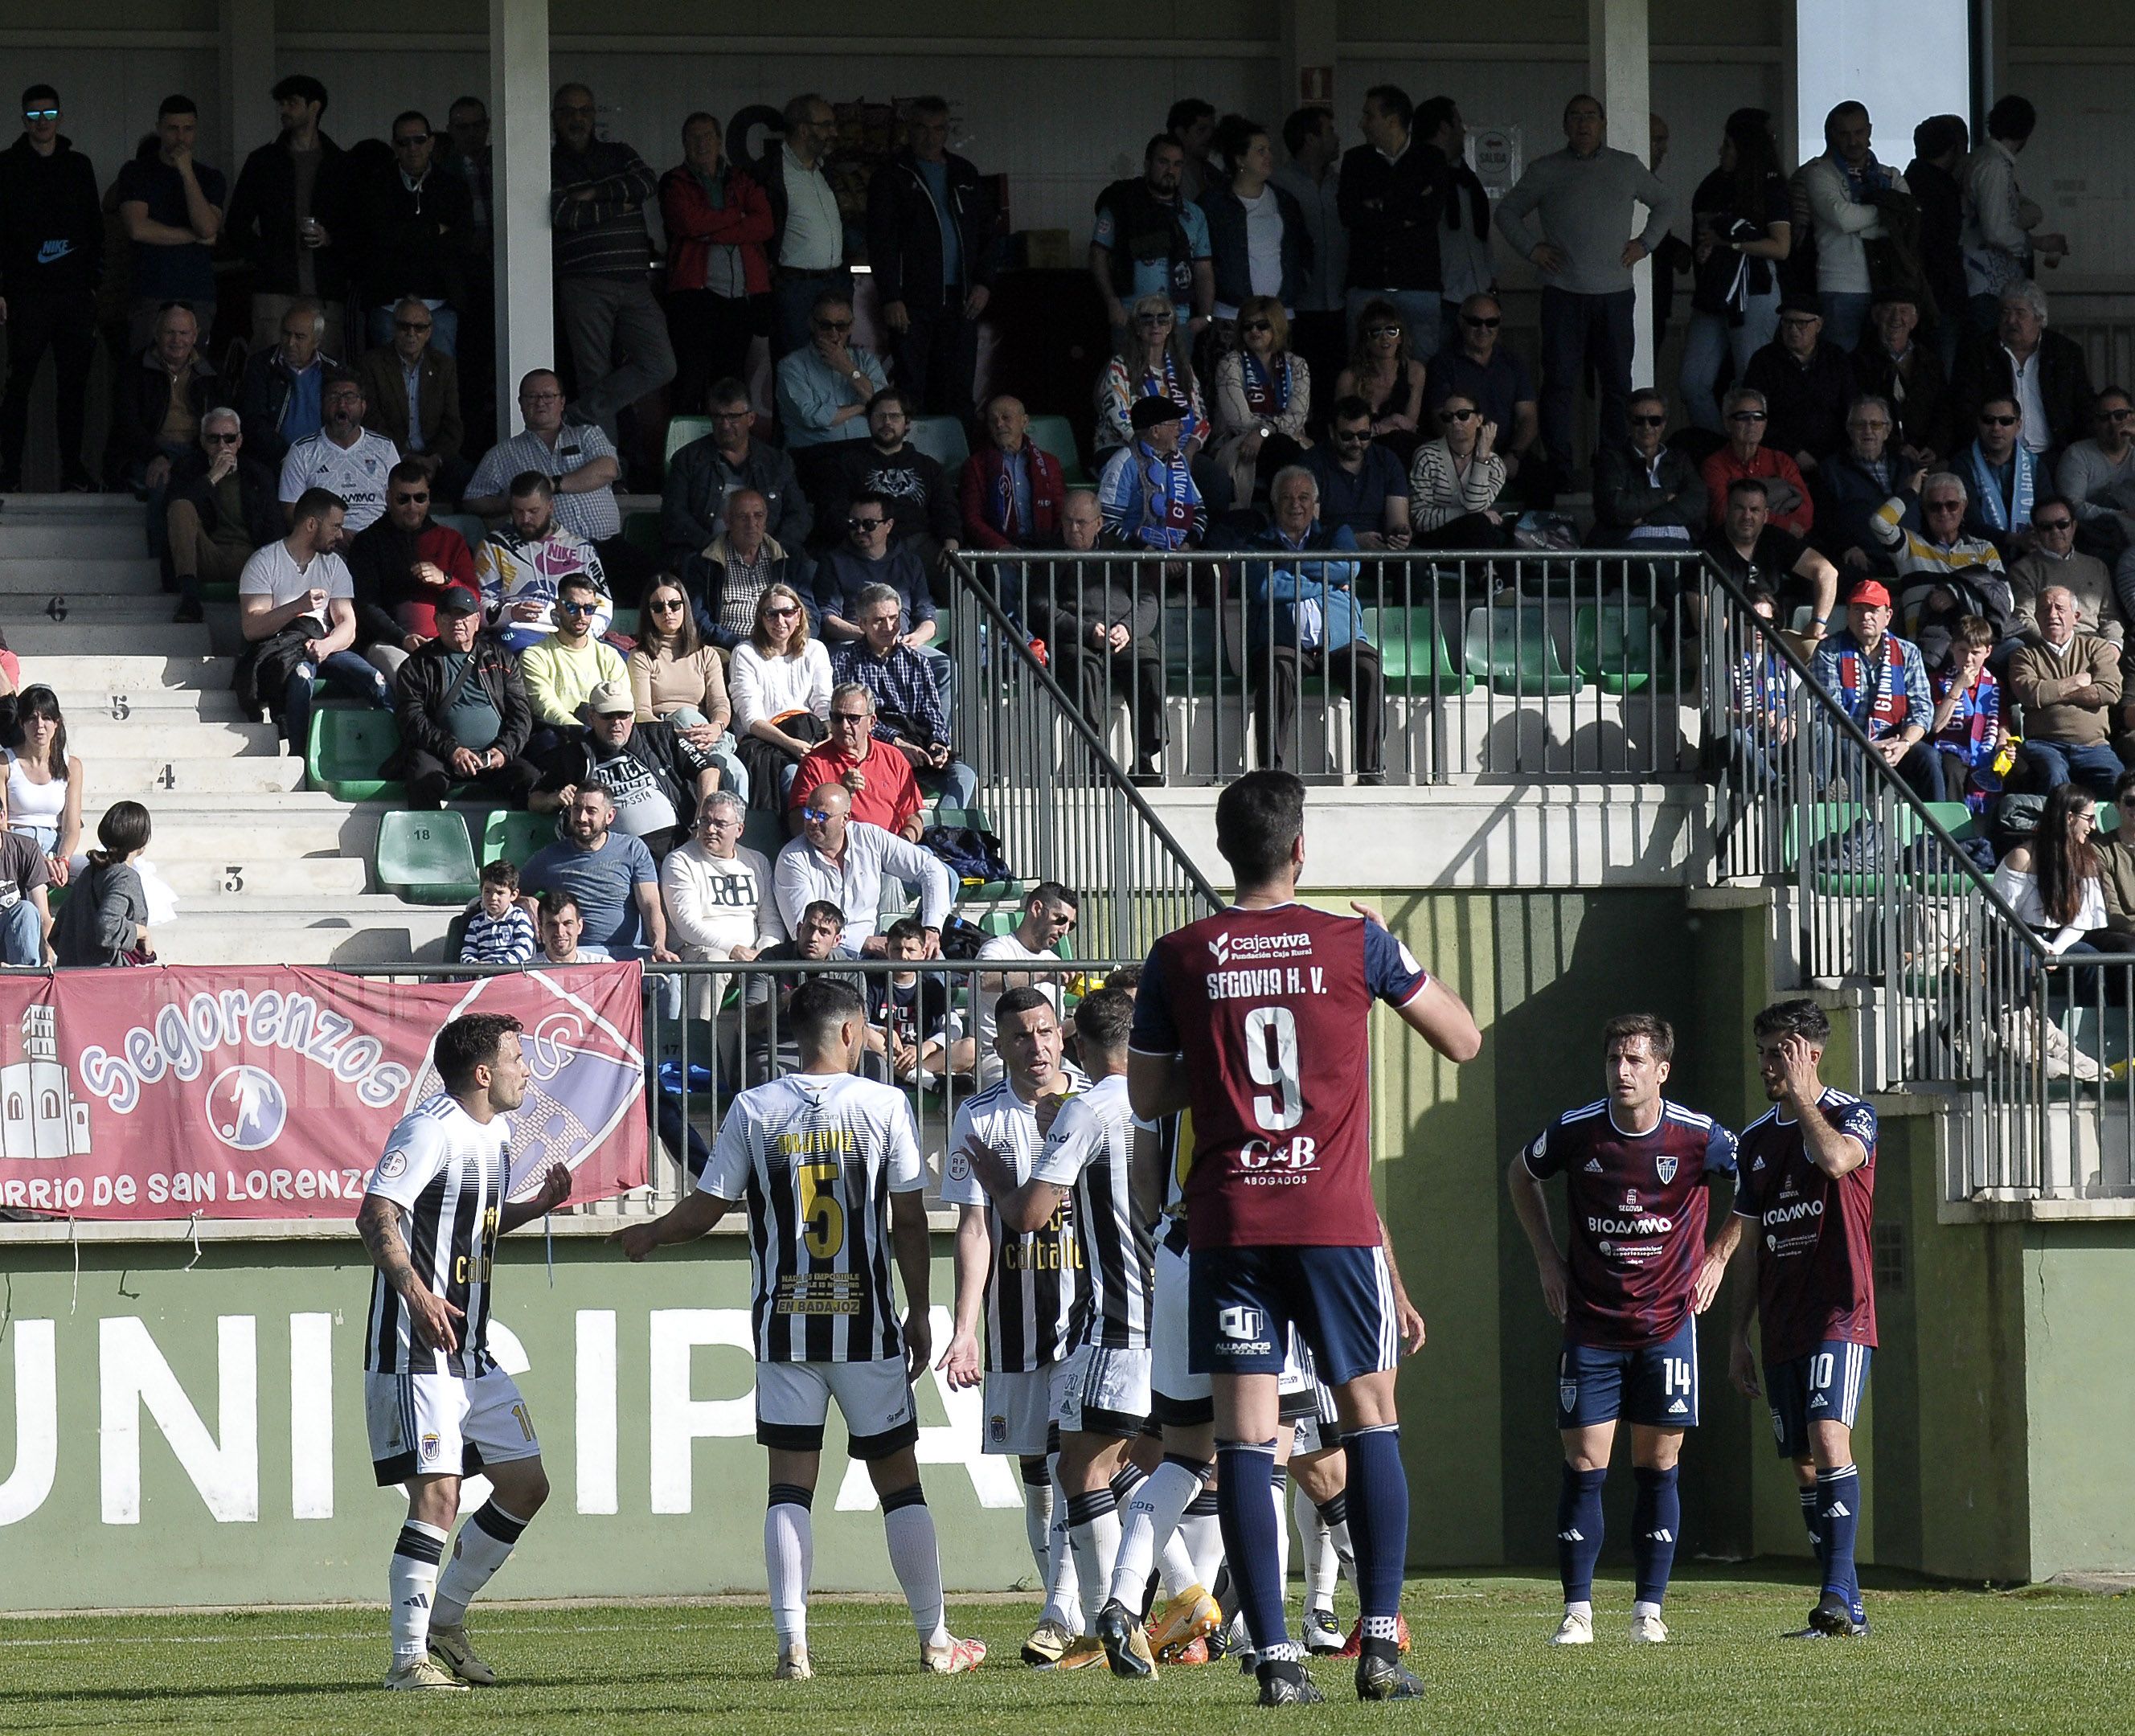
[
  {"x": 222, "y": 506},
  {"x": 909, "y": 715},
  {"x": 2054, "y": 560},
  {"x": 737, "y": 568},
  {"x": 413, "y": 388},
  {"x": 463, "y": 710},
  {"x": 1878, "y": 680},
  {"x": 400, "y": 567},
  {"x": 282, "y": 396},
  {"x": 780, "y": 679},
  {"x": 344, "y": 457},
  {"x": 1757, "y": 552},
  {"x": 869, "y": 558},
  {"x": 914, "y": 1034},
  {"x": 414, "y": 221},
  {"x": 1258, "y": 245},
  {"x": 655, "y": 773},
  {"x": 2043, "y": 370},
  {"x": 705, "y": 481},
  {"x": 771, "y": 1049},
  {"x": 1967, "y": 730},
  {"x": 836, "y": 858},
  {"x": 296, "y": 608},
  {"x": 498, "y": 930},
  {"x": 558, "y": 924},
  {"x": 156, "y": 403},
  {"x": 1764, "y": 698},
  {"x": 1150, "y": 360},
  {"x": 1807, "y": 383},
  {"x": 608, "y": 873},
  {"x": 1645, "y": 491},
  {"x": 1013, "y": 489},
  {"x": 676, "y": 679},
  {"x": 1099, "y": 625},
  {"x": 2068, "y": 684},
  {"x": 46, "y": 785},
  {"x": 880, "y": 781},
  {"x": 1906, "y": 375},
  {"x": 2117, "y": 866},
  {"x": 522, "y": 564},
  {"x": 1743, "y": 225},
  {"x": 1302, "y": 618},
  {"x": 1148, "y": 494},
  {"x": 1048, "y": 917},
  {"x": 1746, "y": 457},
  {"x": 824, "y": 390},
  {"x": 26, "y": 911},
  {"x": 1852, "y": 484},
  {"x": 2097, "y": 477},
  {"x": 562, "y": 668},
  {"x": 2002, "y": 478},
  {"x": 1454, "y": 481},
  {"x": 1966, "y": 570},
  {"x": 1496, "y": 381},
  {"x": 717, "y": 217},
  {"x": 1386, "y": 376},
  {"x": 105, "y": 918},
  {"x": 2055, "y": 882},
  {"x": 718, "y": 899},
  {"x": 888, "y": 466},
  {"x": 1362, "y": 488},
  {"x": 1263, "y": 398}
]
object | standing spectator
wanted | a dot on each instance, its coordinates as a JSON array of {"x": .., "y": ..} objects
[
  {"x": 222, "y": 507},
  {"x": 1012, "y": 490},
  {"x": 1740, "y": 216},
  {"x": 463, "y": 712},
  {"x": 1454, "y": 482},
  {"x": 676, "y": 679},
  {"x": 868, "y": 557},
  {"x": 2045, "y": 371},
  {"x": 1908, "y": 376},
  {"x": 520, "y": 567},
  {"x": 344, "y": 457},
  {"x": 1807, "y": 384},
  {"x": 288, "y": 213},
  {"x": 1313, "y": 177},
  {"x": 930, "y": 228},
  {"x": 1362, "y": 488},
  {"x": 1848, "y": 193},
  {"x": 704, "y": 480},
  {"x": 157, "y": 401},
  {"x": 839, "y": 859},
  {"x": 655, "y": 773},
  {"x": 808, "y": 234},
  {"x": 26, "y": 911},
  {"x": 401, "y": 568},
  {"x": 1879, "y": 681},
  {"x": 1466, "y": 266},
  {"x": 2054, "y": 560},
  {"x": 1385, "y": 376},
  {"x": 1474, "y": 364},
  {"x": 1099, "y": 626},
  {"x": 717, "y": 895},
  {"x": 1149, "y": 239},
  {"x": 172, "y": 209},
  {"x": 1192, "y": 122},
  {"x": 1151, "y": 361},
  {"x": 718, "y": 220},
  {"x": 909, "y": 715},
  {"x": 1645, "y": 491},
  {"x": 884, "y": 790},
  {"x": 1967, "y": 730},
  {"x": 1394, "y": 187},
  {"x": 1147, "y": 494},
  {"x": 1042, "y": 928},
  {"x": 1258, "y": 242},
  {"x": 1999, "y": 238},
  {"x": 824, "y": 390},
  {"x": 413, "y": 391},
  {"x": 46, "y": 784},
  {"x": 1263, "y": 398},
  {"x": 2068, "y": 684},
  {"x": 466, "y": 129},
  {"x": 562, "y": 670},
  {"x": 105, "y": 919},
  {"x": 608, "y": 873},
  {"x": 499, "y": 931},
  {"x": 922, "y": 502},
  {"x": 51, "y": 260},
  {"x": 296, "y": 608},
  {"x": 1851, "y": 486},
  {"x": 416, "y": 221},
  {"x": 282, "y": 396},
  {"x": 2002, "y": 478},
  {"x": 780, "y": 679},
  {"x": 1940, "y": 144},
  {"x": 598, "y": 192},
  {"x": 1583, "y": 196},
  {"x": 1746, "y": 456}
]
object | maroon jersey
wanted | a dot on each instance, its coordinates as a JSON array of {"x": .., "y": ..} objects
[
  {"x": 1816, "y": 1274},
  {"x": 1636, "y": 1203},
  {"x": 1271, "y": 1009}
]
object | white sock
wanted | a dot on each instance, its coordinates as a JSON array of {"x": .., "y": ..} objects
[
  {"x": 1037, "y": 1520},
  {"x": 1641, "y": 1608},
  {"x": 483, "y": 1544},
  {"x": 1062, "y": 1590},
  {"x": 916, "y": 1562},
  {"x": 1316, "y": 1545},
  {"x": 412, "y": 1584},
  {"x": 1204, "y": 1539},
  {"x": 1174, "y": 1567},
  {"x": 1094, "y": 1530},
  {"x": 789, "y": 1561},
  {"x": 1345, "y": 1553},
  {"x": 1151, "y": 1524},
  {"x": 1585, "y": 1609},
  {"x": 1281, "y": 1533}
]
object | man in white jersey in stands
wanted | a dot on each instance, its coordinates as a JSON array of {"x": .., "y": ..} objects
[
  {"x": 826, "y": 1167},
  {"x": 344, "y": 457},
  {"x": 437, "y": 1406}
]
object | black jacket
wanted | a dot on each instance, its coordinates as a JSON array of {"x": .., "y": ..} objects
[
  {"x": 904, "y": 229},
  {"x": 261, "y": 222},
  {"x": 693, "y": 502},
  {"x": 922, "y": 499},
  {"x": 51, "y": 224},
  {"x": 1921, "y": 405},
  {"x": 419, "y": 704},
  {"x": 140, "y": 400},
  {"x": 258, "y": 483},
  {"x": 1623, "y": 496},
  {"x": 1392, "y": 212},
  {"x": 414, "y": 241},
  {"x": 1982, "y": 372},
  {"x": 262, "y": 397},
  {"x": 1941, "y": 201},
  {"x": 1144, "y": 228},
  {"x": 1806, "y": 404}
]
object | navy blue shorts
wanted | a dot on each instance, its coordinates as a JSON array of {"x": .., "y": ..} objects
[
  {"x": 1242, "y": 1303},
  {"x": 1824, "y": 1387},
  {"x": 1655, "y": 1384}
]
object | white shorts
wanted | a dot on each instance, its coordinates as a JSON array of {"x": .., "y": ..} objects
[
  {"x": 1178, "y": 1395},
  {"x": 1321, "y": 1429},
  {"x": 440, "y": 1425},
  {"x": 1020, "y": 1409},
  {"x": 1104, "y": 1392},
  {"x": 793, "y": 1400}
]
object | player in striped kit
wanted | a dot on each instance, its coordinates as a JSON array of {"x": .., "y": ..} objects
[
  {"x": 828, "y": 1171},
  {"x": 436, "y": 1406},
  {"x": 1028, "y": 1286}
]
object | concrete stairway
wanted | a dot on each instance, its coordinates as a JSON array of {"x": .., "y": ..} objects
[{"x": 265, "y": 871}]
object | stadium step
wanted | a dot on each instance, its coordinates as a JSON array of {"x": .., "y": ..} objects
[
  {"x": 40, "y": 578},
  {"x": 200, "y": 936},
  {"x": 46, "y": 537},
  {"x": 194, "y": 738},
  {"x": 116, "y": 776},
  {"x": 109, "y": 637},
  {"x": 128, "y": 670},
  {"x": 208, "y": 881}
]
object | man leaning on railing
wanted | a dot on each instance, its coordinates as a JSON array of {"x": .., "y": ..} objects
[{"x": 1878, "y": 679}]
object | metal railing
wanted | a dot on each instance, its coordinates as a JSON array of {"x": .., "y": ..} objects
[{"x": 1442, "y": 664}]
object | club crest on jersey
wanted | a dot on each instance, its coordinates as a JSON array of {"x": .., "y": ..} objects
[
  {"x": 1664, "y": 1168},
  {"x": 432, "y": 1447},
  {"x": 997, "y": 1430},
  {"x": 1630, "y": 1199},
  {"x": 1567, "y": 1394}
]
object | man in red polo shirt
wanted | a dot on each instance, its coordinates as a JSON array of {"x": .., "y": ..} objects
[{"x": 884, "y": 792}]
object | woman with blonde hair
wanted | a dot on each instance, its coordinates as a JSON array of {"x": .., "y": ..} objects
[
  {"x": 1263, "y": 396},
  {"x": 780, "y": 684}
]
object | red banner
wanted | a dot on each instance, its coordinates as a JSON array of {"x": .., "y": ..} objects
[{"x": 243, "y": 1093}]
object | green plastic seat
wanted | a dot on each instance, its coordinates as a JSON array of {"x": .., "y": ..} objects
[
  {"x": 513, "y": 834},
  {"x": 467, "y": 523},
  {"x": 347, "y": 752},
  {"x": 681, "y": 430},
  {"x": 625, "y": 622},
  {"x": 1192, "y": 655},
  {"x": 1054, "y": 434},
  {"x": 1412, "y": 654},
  {"x": 1829, "y": 819},
  {"x": 426, "y": 859},
  {"x": 1512, "y": 650},
  {"x": 942, "y": 438},
  {"x": 1619, "y": 647}
]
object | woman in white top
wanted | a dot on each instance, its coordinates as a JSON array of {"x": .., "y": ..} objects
[
  {"x": 1263, "y": 396},
  {"x": 2055, "y": 883},
  {"x": 780, "y": 684},
  {"x": 45, "y": 782},
  {"x": 1455, "y": 481}
]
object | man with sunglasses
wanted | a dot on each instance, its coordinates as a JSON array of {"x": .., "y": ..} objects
[
  {"x": 414, "y": 224},
  {"x": 1943, "y": 575},
  {"x": 922, "y": 501},
  {"x": 2097, "y": 477},
  {"x": 222, "y": 507},
  {"x": 826, "y": 386},
  {"x": 2003, "y": 477},
  {"x": 1645, "y": 492},
  {"x": 1480, "y": 369},
  {"x": 879, "y": 781},
  {"x": 1747, "y": 457},
  {"x": 1362, "y": 486},
  {"x": 1807, "y": 384},
  {"x": 2054, "y": 560},
  {"x": 412, "y": 389},
  {"x": 401, "y": 566},
  {"x": 837, "y": 858},
  {"x": 52, "y": 260},
  {"x": 564, "y": 667},
  {"x": 868, "y": 556}
]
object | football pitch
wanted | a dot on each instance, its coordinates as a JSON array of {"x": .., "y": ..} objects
[{"x": 1940, "y": 1661}]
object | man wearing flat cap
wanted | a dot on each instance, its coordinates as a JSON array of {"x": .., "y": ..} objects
[
  {"x": 1147, "y": 494},
  {"x": 462, "y": 711}
]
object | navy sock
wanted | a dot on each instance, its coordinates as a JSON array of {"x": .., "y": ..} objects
[
  {"x": 1578, "y": 1531},
  {"x": 1244, "y": 1506},
  {"x": 1377, "y": 1497},
  {"x": 1839, "y": 1510},
  {"x": 1809, "y": 1504},
  {"x": 1657, "y": 1521}
]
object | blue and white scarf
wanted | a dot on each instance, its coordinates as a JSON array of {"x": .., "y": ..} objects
[
  {"x": 1987, "y": 489},
  {"x": 1871, "y": 176},
  {"x": 1168, "y": 498}
]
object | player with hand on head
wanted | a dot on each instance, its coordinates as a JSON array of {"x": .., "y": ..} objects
[
  {"x": 436, "y": 1406},
  {"x": 1639, "y": 1173},
  {"x": 1807, "y": 1190}
]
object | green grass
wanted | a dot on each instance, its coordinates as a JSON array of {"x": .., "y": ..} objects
[{"x": 1944, "y": 1662}]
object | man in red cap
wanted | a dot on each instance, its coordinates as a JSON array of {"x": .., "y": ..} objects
[{"x": 1878, "y": 680}]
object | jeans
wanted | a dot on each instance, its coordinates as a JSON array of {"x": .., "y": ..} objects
[
  {"x": 604, "y": 318},
  {"x": 1709, "y": 340},
  {"x": 1578, "y": 331},
  {"x": 2056, "y": 763},
  {"x": 1420, "y": 318},
  {"x": 1845, "y": 316},
  {"x": 21, "y": 933},
  {"x": 936, "y": 359},
  {"x": 65, "y": 325},
  {"x": 793, "y": 299},
  {"x": 444, "y": 328},
  {"x": 733, "y": 774},
  {"x": 956, "y": 784},
  {"x": 344, "y": 672}
]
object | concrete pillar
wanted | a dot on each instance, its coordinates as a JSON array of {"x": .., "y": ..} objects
[
  {"x": 248, "y": 121},
  {"x": 1619, "y": 71},
  {"x": 519, "y": 139},
  {"x": 1307, "y": 56}
]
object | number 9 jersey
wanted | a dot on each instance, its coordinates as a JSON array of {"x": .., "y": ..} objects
[{"x": 1271, "y": 1011}]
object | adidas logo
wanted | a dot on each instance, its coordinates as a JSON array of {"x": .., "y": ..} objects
[
  {"x": 1838, "y": 1510},
  {"x": 1819, "y": 1403},
  {"x": 419, "y": 1601},
  {"x": 1678, "y": 1408},
  {"x": 1757, "y": 1165},
  {"x": 1660, "y": 1537},
  {"x": 1573, "y": 1535},
  {"x": 1594, "y": 1166}
]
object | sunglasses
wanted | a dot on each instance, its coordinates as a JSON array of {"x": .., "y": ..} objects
[
  {"x": 220, "y": 439},
  {"x": 1152, "y": 319},
  {"x": 1382, "y": 332},
  {"x": 834, "y": 325},
  {"x": 1256, "y": 325},
  {"x": 815, "y": 817},
  {"x": 1949, "y": 507},
  {"x": 1458, "y": 415},
  {"x": 1649, "y": 421},
  {"x": 579, "y": 608},
  {"x": 1801, "y": 325},
  {"x": 1354, "y": 436},
  {"x": 41, "y": 114},
  {"x": 1479, "y": 323},
  {"x": 851, "y": 717},
  {"x": 2115, "y": 415},
  {"x": 411, "y": 500},
  {"x": 411, "y": 324},
  {"x": 859, "y": 524},
  {"x": 1745, "y": 415},
  {"x": 2053, "y": 524},
  {"x": 666, "y": 605},
  {"x": 1997, "y": 422},
  {"x": 411, "y": 140},
  {"x": 783, "y": 612}
]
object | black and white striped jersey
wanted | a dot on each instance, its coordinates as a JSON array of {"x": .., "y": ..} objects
[
  {"x": 816, "y": 1157},
  {"x": 1033, "y": 1287},
  {"x": 1091, "y": 1151},
  {"x": 447, "y": 1172}
]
